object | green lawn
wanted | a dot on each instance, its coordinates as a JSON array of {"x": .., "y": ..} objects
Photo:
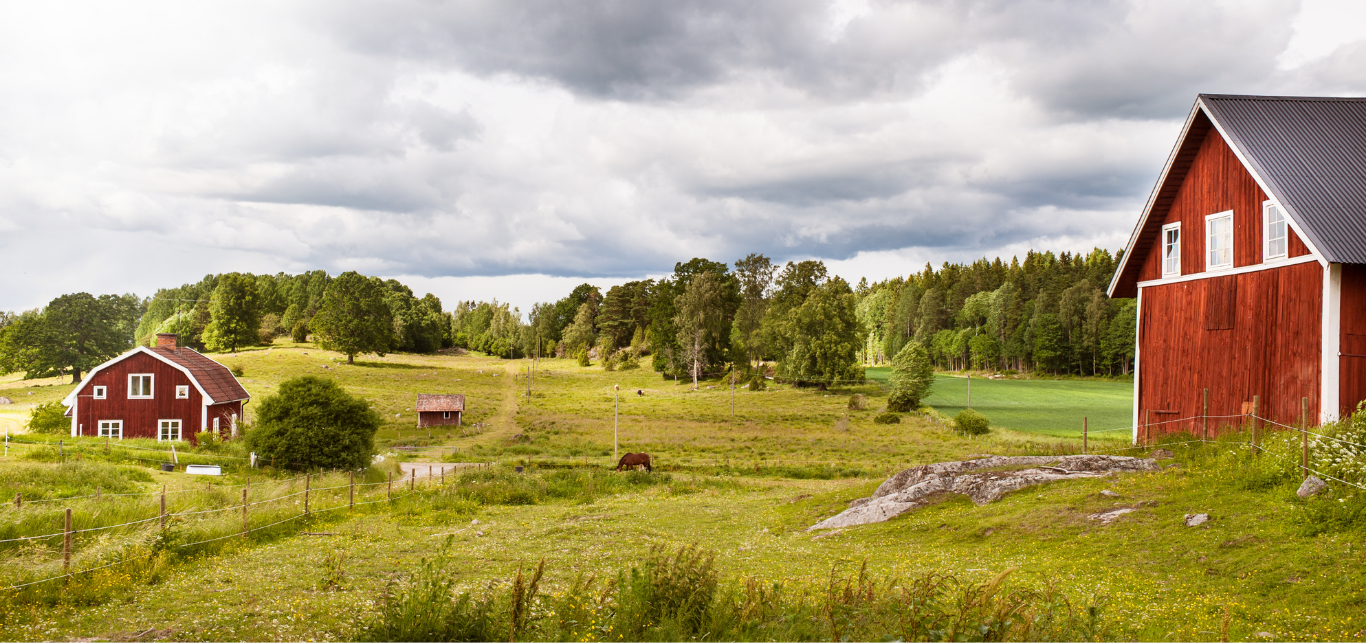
[{"x": 1047, "y": 407}]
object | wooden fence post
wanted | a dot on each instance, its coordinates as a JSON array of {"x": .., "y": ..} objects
[
  {"x": 19, "y": 501},
  {"x": 106, "y": 445},
  {"x": 412, "y": 480},
  {"x": 163, "y": 507},
  {"x": 1256, "y": 417},
  {"x": 353, "y": 490},
  {"x": 244, "y": 512},
  {"x": 1083, "y": 435},
  {"x": 1204, "y": 416},
  {"x": 1304, "y": 435},
  {"x": 97, "y": 494},
  {"x": 66, "y": 545},
  {"x": 1147, "y": 427},
  {"x": 308, "y": 478},
  {"x": 390, "y": 494}
]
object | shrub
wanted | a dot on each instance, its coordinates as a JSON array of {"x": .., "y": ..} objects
[
  {"x": 207, "y": 439},
  {"x": 609, "y": 363},
  {"x": 49, "y": 418},
  {"x": 912, "y": 375},
  {"x": 237, "y": 370},
  {"x": 757, "y": 383},
  {"x": 299, "y": 332},
  {"x": 582, "y": 357},
  {"x": 858, "y": 402},
  {"x": 887, "y": 418},
  {"x": 970, "y": 422},
  {"x": 629, "y": 362},
  {"x": 423, "y": 608},
  {"x": 313, "y": 424}
]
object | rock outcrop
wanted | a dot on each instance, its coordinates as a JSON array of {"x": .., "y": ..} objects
[{"x": 984, "y": 480}]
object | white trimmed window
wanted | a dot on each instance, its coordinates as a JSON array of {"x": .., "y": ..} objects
[
  {"x": 215, "y": 426},
  {"x": 140, "y": 386},
  {"x": 1219, "y": 241},
  {"x": 99, "y": 392},
  {"x": 1171, "y": 250},
  {"x": 111, "y": 429},
  {"x": 182, "y": 392},
  {"x": 445, "y": 415},
  {"x": 168, "y": 430},
  {"x": 1275, "y": 233}
]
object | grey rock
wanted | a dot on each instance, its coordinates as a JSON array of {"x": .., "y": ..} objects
[
  {"x": 1195, "y": 520},
  {"x": 1312, "y": 486},
  {"x": 5, "y": 400},
  {"x": 1162, "y": 454},
  {"x": 1111, "y": 516},
  {"x": 985, "y": 480},
  {"x": 1108, "y": 494}
]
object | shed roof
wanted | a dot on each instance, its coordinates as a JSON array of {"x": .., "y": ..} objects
[
  {"x": 1307, "y": 153},
  {"x": 429, "y": 403},
  {"x": 217, "y": 381}
]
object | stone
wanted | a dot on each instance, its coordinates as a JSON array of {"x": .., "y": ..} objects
[
  {"x": 5, "y": 400},
  {"x": 1195, "y": 520},
  {"x": 1312, "y": 486},
  {"x": 984, "y": 480},
  {"x": 1162, "y": 454},
  {"x": 1108, "y": 494},
  {"x": 1111, "y": 516}
]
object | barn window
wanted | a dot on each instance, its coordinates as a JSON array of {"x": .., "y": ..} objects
[
  {"x": 111, "y": 429},
  {"x": 1274, "y": 233},
  {"x": 140, "y": 386},
  {"x": 169, "y": 430},
  {"x": 99, "y": 392},
  {"x": 445, "y": 415},
  {"x": 1171, "y": 250},
  {"x": 1219, "y": 240},
  {"x": 182, "y": 392}
]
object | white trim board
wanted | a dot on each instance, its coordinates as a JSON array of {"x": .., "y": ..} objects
[
  {"x": 1330, "y": 342},
  {"x": 1294, "y": 261},
  {"x": 71, "y": 397}
]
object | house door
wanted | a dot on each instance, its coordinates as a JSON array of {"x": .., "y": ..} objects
[{"x": 111, "y": 429}]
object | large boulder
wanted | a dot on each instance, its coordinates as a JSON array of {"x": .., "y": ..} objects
[
  {"x": 1312, "y": 486},
  {"x": 984, "y": 480}
]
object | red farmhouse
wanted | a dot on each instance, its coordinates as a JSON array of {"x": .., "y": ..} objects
[
  {"x": 167, "y": 393},
  {"x": 1249, "y": 264},
  {"x": 439, "y": 410}
]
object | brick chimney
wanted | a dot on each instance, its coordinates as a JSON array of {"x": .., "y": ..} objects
[{"x": 166, "y": 340}]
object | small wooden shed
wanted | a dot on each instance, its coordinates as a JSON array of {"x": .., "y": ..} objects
[{"x": 439, "y": 410}]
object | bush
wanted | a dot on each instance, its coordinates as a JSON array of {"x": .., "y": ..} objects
[
  {"x": 609, "y": 363},
  {"x": 266, "y": 337},
  {"x": 887, "y": 418},
  {"x": 970, "y": 422},
  {"x": 313, "y": 424},
  {"x": 422, "y": 609},
  {"x": 582, "y": 357},
  {"x": 237, "y": 370},
  {"x": 757, "y": 384},
  {"x": 49, "y": 418},
  {"x": 858, "y": 402},
  {"x": 912, "y": 376},
  {"x": 207, "y": 439},
  {"x": 629, "y": 362},
  {"x": 299, "y": 332}
]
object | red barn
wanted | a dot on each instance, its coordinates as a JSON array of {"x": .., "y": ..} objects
[
  {"x": 167, "y": 393},
  {"x": 1249, "y": 264},
  {"x": 439, "y": 410}
]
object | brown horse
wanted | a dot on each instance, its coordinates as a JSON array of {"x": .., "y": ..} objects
[{"x": 633, "y": 460}]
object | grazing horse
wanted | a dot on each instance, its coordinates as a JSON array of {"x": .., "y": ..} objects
[{"x": 633, "y": 460}]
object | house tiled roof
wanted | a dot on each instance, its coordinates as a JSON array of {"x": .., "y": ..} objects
[
  {"x": 428, "y": 403},
  {"x": 216, "y": 380}
]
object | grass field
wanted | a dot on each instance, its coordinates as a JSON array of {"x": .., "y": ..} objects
[
  {"x": 1265, "y": 563},
  {"x": 1045, "y": 407}
]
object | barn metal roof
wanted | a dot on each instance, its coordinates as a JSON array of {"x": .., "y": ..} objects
[{"x": 1311, "y": 153}]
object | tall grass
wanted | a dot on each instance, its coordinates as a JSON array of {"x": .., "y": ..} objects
[{"x": 679, "y": 595}]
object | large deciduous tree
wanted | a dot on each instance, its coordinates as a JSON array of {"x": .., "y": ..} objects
[
  {"x": 700, "y": 320},
  {"x": 354, "y": 317},
  {"x": 73, "y": 334},
  {"x": 912, "y": 376},
  {"x": 235, "y": 313},
  {"x": 755, "y": 273},
  {"x": 825, "y": 337}
]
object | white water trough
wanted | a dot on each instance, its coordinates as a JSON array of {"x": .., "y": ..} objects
[{"x": 203, "y": 469}]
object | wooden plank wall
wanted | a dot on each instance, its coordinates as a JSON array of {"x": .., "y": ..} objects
[
  {"x": 1271, "y": 350},
  {"x": 1352, "y": 346},
  {"x": 139, "y": 416},
  {"x": 1217, "y": 182}
]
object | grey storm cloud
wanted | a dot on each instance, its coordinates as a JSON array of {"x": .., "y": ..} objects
[{"x": 601, "y": 139}]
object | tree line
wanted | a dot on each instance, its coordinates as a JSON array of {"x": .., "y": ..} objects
[{"x": 793, "y": 321}]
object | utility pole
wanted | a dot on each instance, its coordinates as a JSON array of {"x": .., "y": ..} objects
[
  {"x": 616, "y": 414},
  {"x": 969, "y": 390}
]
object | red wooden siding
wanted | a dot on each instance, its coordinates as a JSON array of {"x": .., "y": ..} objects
[
  {"x": 1217, "y": 182},
  {"x": 1272, "y": 348},
  {"x": 1352, "y": 346},
  {"x": 225, "y": 413},
  {"x": 433, "y": 418},
  {"x": 139, "y": 417}
]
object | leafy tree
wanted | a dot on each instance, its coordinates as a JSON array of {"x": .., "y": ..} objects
[
  {"x": 292, "y": 316},
  {"x": 354, "y": 318},
  {"x": 235, "y": 314},
  {"x": 825, "y": 336},
  {"x": 311, "y": 423},
  {"x": 49, "y": 419},
  {"x": 755, "y": 273},
  {"x": 73, "y": 334},
  {"x": 580, "y": 334},
  {"x": 1050, "y": 345},
  {"x": 1119, "y": 342},
  {"x": 985, "y": 351},
  {"x": 911, "y": 379},
  {"x": 700, "y": 320},
  {"x": 299, "y": 331}
]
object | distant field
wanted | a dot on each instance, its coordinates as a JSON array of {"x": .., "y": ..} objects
[{"x": 1048, "y": 407}]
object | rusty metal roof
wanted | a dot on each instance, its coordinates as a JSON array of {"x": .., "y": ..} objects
[
  {"x": 428, "y": 403},
  {"x": 1311, "y": 153}
]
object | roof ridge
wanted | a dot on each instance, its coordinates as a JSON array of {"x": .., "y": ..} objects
[{"x": 1328, "y": 99}]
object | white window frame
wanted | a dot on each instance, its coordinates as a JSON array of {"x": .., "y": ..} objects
[
  {"x": 1209, "y": 223},
  {"x": 115, "y": 429},
  {"x": 445, "y": 415},
  {"x": 99, "y": 392},
  {"x": 215, "y": 426},
  {"x": 162, "y": 427},
  {"x": 182, "y": 392},
  {"x": 1267, "y": 256},
  {"x": 1165, "y": 229},
  {"x": 151, "y": 387}
]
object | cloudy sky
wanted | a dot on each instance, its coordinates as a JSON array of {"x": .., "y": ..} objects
[{"x": 480, "y": 149}]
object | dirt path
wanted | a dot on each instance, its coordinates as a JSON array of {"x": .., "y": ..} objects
[
  {"x": 503, "y": 423},
  {"x": 434, "y": 469}
]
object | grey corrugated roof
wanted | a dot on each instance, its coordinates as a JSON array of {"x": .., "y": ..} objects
[{"x": 1311, "y": 152}]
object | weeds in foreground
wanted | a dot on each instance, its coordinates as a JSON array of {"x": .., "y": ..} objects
[{"x": 679, "y": 596}]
